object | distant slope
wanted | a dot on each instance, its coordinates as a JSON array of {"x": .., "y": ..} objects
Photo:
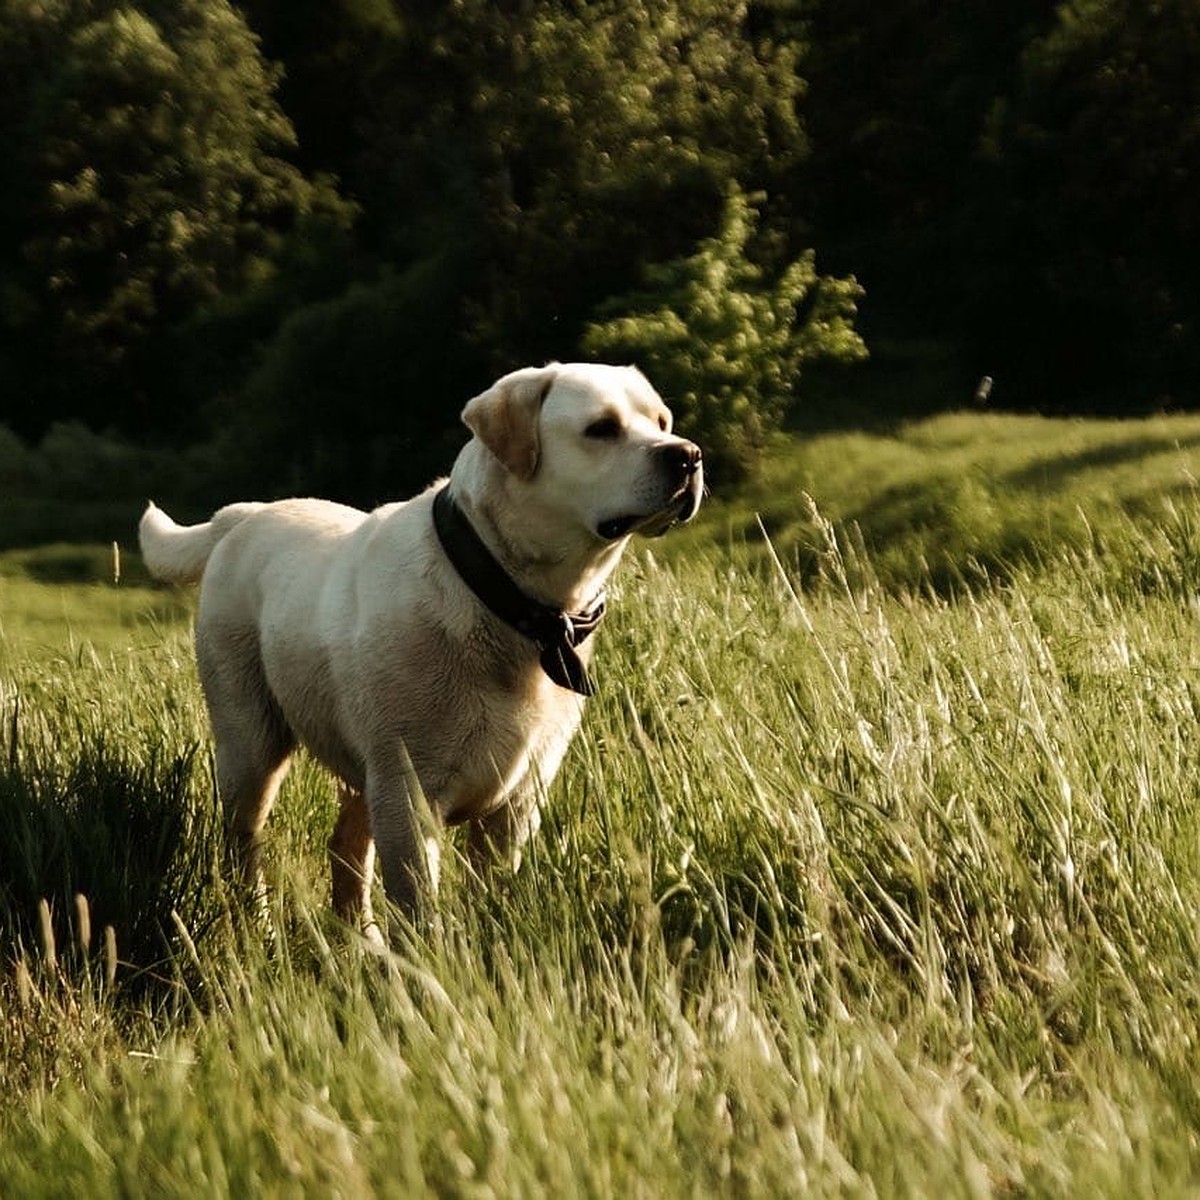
[{"x": 962, "y": 493}]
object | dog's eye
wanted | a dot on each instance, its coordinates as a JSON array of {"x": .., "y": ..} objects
[
  {"x": 606, "y": 429},
  {"x": 662, "y": 422}
]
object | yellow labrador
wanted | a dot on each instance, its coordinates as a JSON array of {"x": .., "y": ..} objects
[{"x": 442, "y": 640}]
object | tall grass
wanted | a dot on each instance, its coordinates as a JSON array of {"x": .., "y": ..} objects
[{"x": 853, "y": 888}]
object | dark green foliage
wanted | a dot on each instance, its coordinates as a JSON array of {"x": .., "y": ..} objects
[
  {"x": 570, "y": 144},
  {"x": 352, "y": 398},
  {"x": 726, "y": 343},
  {"x": 1094, "y": 157},
  {"x": 305, "y": 254},
  {"x": 152, "y": 178},
  {"x": 78, "y": 485},
  {"x": 898, "y": 97},
  {"x": 517, "y": 168},
  {"x": 1016, "y": 182}
]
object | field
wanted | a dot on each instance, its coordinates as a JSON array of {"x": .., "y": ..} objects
[{"x": 875, "y": 870}]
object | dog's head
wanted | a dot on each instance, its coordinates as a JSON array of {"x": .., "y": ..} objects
[{"x": 593, "y": 442}]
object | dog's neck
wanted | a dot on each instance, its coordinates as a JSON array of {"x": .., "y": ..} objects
[{"x": 560, "y": 566}]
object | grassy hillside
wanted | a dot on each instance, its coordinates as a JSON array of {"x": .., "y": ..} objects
[
  {"x": 850, "y": 885},
  {"x": 61, "y": 597},
  {"x": 964, "y": 496}
]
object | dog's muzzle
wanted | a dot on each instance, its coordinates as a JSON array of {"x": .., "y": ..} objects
[
  {"x": 681, "y": 467},
  {"x": 685, "y": 462},
  {"x": 682, "y": 460}
]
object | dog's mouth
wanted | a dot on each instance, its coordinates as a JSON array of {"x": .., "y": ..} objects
[
  {"x": 616, "y": 527},
  {"x": 682, "y": 508}
]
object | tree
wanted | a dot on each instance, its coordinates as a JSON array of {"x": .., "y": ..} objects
[
  {"x": 726, "y": 343},
  {"x": 1095, "y": 159},
  {"x": 568, "y": 143},
  {"x": 344, "y": 63},
  {"x": 895, "y": 186},
  {"x": 519, "y": 164},
  {"x": 153, "y": 178}
]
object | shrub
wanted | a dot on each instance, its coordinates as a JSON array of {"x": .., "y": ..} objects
[{"x": 725, "y": 342}]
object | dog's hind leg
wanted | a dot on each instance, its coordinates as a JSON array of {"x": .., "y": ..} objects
[
  {"x": 352, "y": 863},
  {"x": 248, "y": 779},
  {"x": 253, "y": 750}
]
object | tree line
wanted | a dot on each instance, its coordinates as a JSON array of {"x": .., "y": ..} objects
[{"x": 282, "y": 242}]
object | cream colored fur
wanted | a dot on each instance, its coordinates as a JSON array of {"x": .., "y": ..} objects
[{"x": 350, "y": 632}]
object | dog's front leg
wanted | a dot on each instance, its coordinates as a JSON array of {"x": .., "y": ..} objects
[
  {"x": 406, "y": 833},
  {"x": 497, "y": 839}
]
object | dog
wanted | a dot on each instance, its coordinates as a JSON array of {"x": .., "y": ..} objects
[{"x": 432, "y": 653}]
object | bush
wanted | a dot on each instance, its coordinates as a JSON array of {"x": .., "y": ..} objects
[
  {"x": 353, "y": 398},
  {"x": 724, "y": 342}
]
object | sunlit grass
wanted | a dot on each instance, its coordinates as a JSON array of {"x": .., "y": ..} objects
[
  {"x": 71, "y": 600},
  {"x": 849, "y": 888}
]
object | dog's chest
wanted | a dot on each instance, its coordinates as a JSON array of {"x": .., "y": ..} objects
[
  {"x": 505, "y": 750},
  {"x": 477, "y": 715}
]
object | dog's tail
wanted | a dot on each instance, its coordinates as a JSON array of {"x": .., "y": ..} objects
[{"x": 177, "y": 553}]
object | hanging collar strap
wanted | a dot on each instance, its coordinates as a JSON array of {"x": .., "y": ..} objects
[{"x": 554, "y": 632}]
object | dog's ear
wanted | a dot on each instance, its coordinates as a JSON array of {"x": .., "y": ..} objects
[{"x": 505, "y": 418}]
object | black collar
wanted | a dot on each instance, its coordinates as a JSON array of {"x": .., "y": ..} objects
[{"x": 554, "y": 632}]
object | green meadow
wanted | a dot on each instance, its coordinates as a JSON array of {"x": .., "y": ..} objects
[{"x": 874, "y": 870}]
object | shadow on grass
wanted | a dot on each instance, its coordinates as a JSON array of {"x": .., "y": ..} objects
[
  {"x": 136, "y": 839},
  {"x": 1054, "y": 473}
]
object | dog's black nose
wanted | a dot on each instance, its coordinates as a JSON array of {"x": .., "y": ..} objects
[{"x": 683, "y": 458}]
